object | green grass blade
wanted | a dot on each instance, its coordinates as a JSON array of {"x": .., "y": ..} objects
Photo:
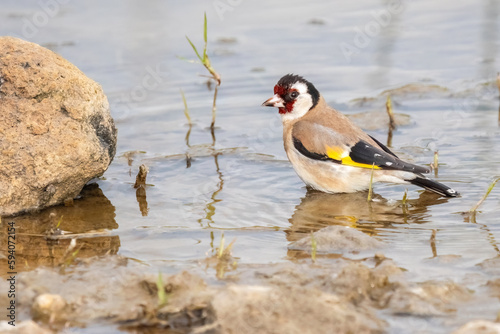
[
  {"x": 205, "y": 33},
  {"x": 188, "y": 60},
  {"x": 194, "y": 48},
  {"x": 59, "y": 222},
  {"x": 162, "y": 295},
  {"x": 205, "y": 38},
  {"x": 490, "y": 188},
  {"x": 221, "y": 247},
  {"x": 405, "y": 197},
  {"x": 186, "y": 110}
]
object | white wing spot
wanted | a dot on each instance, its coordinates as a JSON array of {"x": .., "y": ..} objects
[
  {"x": 377, "y": 155},
  {"x": 388, "y": 163}
]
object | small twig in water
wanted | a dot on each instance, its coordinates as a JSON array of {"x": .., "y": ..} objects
[
  {"x": 392, "y": 121},
  {"x": 140, "y": 193},
  {"x": 214, "y": 108},
  {"x": 389, "y": 137},
  {"x": 140, "y": 180}
]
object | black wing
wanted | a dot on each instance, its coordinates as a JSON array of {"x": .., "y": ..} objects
[{"x": 365, "y": 153}]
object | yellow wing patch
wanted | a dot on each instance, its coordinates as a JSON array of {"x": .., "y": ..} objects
[
  {"x": 348, "y": 161},
  {"x": 339, "y": 154},
  {"x": 335, "y": 153}
]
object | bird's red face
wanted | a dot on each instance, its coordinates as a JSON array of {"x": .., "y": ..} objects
[
  {"x": 283, "y": 99},
  {"x": 294, "y": 96}
]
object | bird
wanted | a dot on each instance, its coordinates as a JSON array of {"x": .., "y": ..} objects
[{"x": 330, "y": 153}]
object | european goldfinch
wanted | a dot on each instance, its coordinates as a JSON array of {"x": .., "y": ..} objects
[{"x": 329, "y": 152}]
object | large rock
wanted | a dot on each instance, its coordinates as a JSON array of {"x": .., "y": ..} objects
[{"x": 56, "y": 132}]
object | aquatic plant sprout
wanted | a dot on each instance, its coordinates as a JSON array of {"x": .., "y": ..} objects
[
  {"x": 473, "y": 210},
  {"x": 162, "y": 294},
  {"x": 205, "y": 61}
]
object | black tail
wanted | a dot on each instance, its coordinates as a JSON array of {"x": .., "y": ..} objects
[{"x": 434, "y": 186}]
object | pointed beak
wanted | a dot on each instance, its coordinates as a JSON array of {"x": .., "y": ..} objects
[{"x": 275, "y": 101}]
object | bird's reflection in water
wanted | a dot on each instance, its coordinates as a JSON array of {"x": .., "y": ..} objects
[{"x": 318, "y": 210}]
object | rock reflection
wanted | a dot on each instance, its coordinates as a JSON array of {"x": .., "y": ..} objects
[
  {"x": 318, "y": 210},
  {"x": 43, "y": 238}
]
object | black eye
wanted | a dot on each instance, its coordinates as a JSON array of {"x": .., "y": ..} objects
[{"x": 294, "y": 95}]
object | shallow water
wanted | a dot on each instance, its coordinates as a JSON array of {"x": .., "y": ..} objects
[{"x": 241, "y": 183}]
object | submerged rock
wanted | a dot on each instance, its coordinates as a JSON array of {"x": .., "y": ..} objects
[{"x": 56, "y": 131}]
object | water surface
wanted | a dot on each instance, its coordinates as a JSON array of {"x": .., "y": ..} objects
[{"x": 240, "y": 182}]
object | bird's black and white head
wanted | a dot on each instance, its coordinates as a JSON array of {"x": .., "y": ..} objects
[{"x": 294, "y": 96}]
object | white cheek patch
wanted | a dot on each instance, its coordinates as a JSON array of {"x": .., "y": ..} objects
[{"x": 302, "y": 104}]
